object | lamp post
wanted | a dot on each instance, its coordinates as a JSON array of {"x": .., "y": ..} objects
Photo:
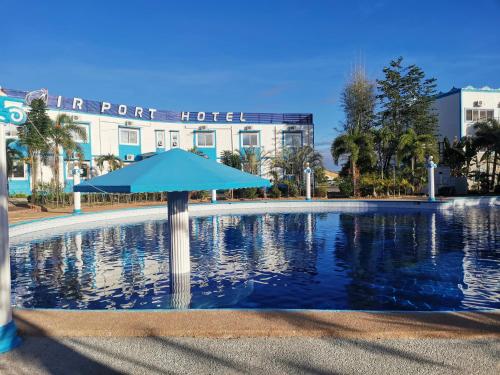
[
  {"x": 308, "y": 172},
  {"x": 430, "y": 169},
  {"x": 77, "y": 199},
  {"x": 11, "y": 112}
]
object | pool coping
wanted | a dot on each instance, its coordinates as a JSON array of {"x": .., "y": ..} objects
[
  {"x": 245, "y": 207},
  {"x": 258, "y": 323}
]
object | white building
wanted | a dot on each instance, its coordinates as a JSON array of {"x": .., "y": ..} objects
[
  {"x": 459, "y": 109},
  {"x": 130, "y": 132}
]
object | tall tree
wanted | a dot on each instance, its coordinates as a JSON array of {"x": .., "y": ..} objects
[
  {"x": 354, "y": 148},
  {"x": 358, "y": 102},
  {"x": 356, "y": 142},
  {"x": 406, "y": 98},
  {"x": 61, "y": 136},
  {"x": 33, "y": 134}
]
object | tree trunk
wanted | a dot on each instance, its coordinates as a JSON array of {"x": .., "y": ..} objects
[
  {"x": 494, "y": 170},
  {"x": 354, "y": 178}
]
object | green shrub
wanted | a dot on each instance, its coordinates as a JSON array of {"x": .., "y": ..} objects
[
  {"x": 345, "y": 186},
  {"x": 321, "y": 191},
  {"x": 249, "y": 193},
  {"x": 275, "y": 192}
]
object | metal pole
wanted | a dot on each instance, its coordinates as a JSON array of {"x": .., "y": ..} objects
[
  {"x": 430, "y": 168},
  {"x": 8, "y": 336},
  {"x": 76, "y": 195},
  {"x": 308, "y": 172}
]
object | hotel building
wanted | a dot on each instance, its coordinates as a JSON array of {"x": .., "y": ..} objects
[
  {"x": 133, "y": 133},
  {"x": 460, "y": 108}
]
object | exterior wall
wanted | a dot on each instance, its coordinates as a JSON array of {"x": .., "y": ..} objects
[
  {"x": 490, "y": 101},
  {"x": 451, "y": 109},
  {"x": 449, "y": 119},
  {"x": 103, "y": 138}
]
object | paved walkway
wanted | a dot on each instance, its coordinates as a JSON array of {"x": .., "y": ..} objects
[{"x": 298, "y": 355}]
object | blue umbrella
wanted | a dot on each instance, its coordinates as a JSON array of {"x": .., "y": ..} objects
[{"x": 176, "y": 172}]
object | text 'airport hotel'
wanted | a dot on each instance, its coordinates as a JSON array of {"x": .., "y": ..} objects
[{"x": 133, "y": 132}]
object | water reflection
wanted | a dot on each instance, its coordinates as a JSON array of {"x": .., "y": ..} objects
[{"x": 367, "y": 260}]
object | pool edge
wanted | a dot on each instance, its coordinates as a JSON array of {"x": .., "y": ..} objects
[{"x": 259, "y": 323}]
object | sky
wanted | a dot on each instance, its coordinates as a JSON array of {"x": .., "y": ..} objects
[{"x": 249, "y": 56}]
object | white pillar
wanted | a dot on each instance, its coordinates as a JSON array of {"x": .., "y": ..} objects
[
  {"x": 77, "y": 199},
  {"x": 180, "y": 290},
  {"x": 430, "y": 168},
  {"x": 308, "y": 172},
  {"x": 178, "y": 221},
  {"x": 8, "y": 336},
  {"x": 214, "y": 196}
]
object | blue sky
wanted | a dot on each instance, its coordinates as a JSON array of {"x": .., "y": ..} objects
[{"x": 250, "y": 56}]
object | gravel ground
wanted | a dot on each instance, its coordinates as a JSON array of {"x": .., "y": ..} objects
[{"x": 163, "y": 355}]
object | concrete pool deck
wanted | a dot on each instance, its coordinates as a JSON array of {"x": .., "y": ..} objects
[{"x": 258, "y": 323}]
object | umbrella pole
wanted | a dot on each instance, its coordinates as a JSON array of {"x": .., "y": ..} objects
[{"x": 178, "y": 221}]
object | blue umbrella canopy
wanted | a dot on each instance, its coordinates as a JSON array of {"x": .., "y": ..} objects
[{"x": 174, "y": 170}]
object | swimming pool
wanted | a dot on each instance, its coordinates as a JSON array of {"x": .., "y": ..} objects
[{"x": 365, "y": 260}]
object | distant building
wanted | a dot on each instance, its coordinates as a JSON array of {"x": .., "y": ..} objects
[
  {"x": 460, "y": 108},
  {"x": 132, "y": 133}
]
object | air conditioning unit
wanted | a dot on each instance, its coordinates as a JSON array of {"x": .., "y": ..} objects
[
  {"x": 129, "y": 157},
  {"x": 248, "y": 127},
  {"x": 478, "y": 103},
  {"x": 291, "y": 128},
  {"x": 203, "y": 127},
  {"x": 128, "y": 123}
]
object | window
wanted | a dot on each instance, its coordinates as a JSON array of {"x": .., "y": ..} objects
[
  {"x": 205, "y": 139},
  {"x": 478, "y": 114},
  {"x": 174, "y": 139},
  {"x": 18, "y": 170},
  {"x": 250, "y": 139},
  {"x": 160, "y": 138},
  {"x": 70, "y": 165},
  {"x": 77, "y": 138},
  {"x": 129, "y": 137},
  {"x": 292, "y": 139}
]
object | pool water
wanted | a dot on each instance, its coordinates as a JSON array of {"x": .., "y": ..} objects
[{"x": 373, "y": 260}]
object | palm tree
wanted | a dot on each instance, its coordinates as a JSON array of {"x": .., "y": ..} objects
[
  {"x": 61, "y": 135},
  {"x": 415, "y": 148},
  {"x": 356, "y": 147},
  {"x": 114, "y": 162},
  {"x": 231, "y": 159},
  {"x": 487, "y": 138},
  {"x": 252, "y": 159},
  {"x": 12, "y": 154},
  {"x": 292, "y": 162},
  {"x": 33, "y": 136}
]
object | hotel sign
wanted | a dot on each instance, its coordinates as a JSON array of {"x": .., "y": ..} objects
[{"x": 105, "y": 108}]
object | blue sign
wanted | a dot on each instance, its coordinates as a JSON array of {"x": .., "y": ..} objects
[
  {"x": 152, "y": 114},
  {"x": 12, "y": 111}
]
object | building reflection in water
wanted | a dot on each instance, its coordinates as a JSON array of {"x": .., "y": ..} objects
[{"x": 357, "y": 260}]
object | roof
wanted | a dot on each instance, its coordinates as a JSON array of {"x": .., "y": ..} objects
[
  {"x": 174, "y": 170},
  {"x": 95, "y": 107},
  {"x": 455, "y": 90}
]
